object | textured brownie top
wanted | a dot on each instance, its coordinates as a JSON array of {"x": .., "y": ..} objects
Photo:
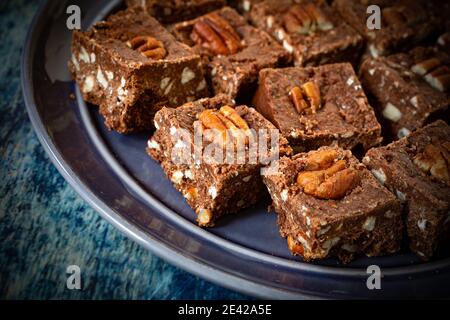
[
  {"x": 257, "y": 50},
  {"x": 345, "y": 110},
  {"x": 412, "y": 99},
  {"x": 269, "y": 15},
  {"x": 404, "y": 22},
  {"x": 365, "y": 197},
  {"x": 401, "y": 163},
  {"x": 169, "y": 11},
  {"x": 186, "y": 116},
  {"x": 119, "y": 28}
]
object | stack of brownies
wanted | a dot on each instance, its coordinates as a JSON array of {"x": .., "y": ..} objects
[{"x": 359, "y": 156}]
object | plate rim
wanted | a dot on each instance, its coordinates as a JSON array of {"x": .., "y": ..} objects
[{"x": 145, "y": 239}]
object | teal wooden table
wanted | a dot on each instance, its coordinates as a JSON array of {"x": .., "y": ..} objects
[{"x": 46, "y": 227}]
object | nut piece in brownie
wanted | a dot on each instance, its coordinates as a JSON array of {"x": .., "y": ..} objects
[
  {"x": 443, "y": 42},
  {"x": 233, "y": 50},
  {"x": 243, "y": 6},
  {"x": 329, "y": 204},
  {"x": 131, "y": 67},
  {"x": 170, "y": 11},
  {"x": 318, "y": 106},
  {"x": 404, "y": 23},
  {"x": 408, "y": 90},
  {"x": 219, "y": 187},
  {"x": 416, "y": 169},
  {"x": 311, "y": 30}
]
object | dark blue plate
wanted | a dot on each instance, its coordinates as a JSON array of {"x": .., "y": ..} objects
[{"x": 113, "y": 173}]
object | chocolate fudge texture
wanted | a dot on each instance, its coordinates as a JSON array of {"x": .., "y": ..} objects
[
  {"x": 310, "y": 30},
  {"x": 131, "y": 67},
  {"x": 212, "y": 189},
  {"x": 342, "y": 116},
  {"x": 244, "y": 7},
  {"x": 170, "y": 11},
  {"x": 416, "y": 169},
  {"x": 408, "y": 90},
  {"x": 233, "y": 51},
  {"x": 404, "y": 23},
  {"x": 329, "y": 204}
]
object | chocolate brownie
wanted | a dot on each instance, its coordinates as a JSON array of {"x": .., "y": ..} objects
[
  {"x": 408, "y": 90},
  {"x": 214, "y": 188},
  {"x": 404, "y": 23},
  {"x": 233, "y": 51},
  {"x": 170, "y": 11},
  {"x": 130, "y": 66},
  {"x": 318, "y": 106},
  {"x": 310, "y": 30},
  {"x": 329, "y": 204},
  {"x": 416, "y": 169}
]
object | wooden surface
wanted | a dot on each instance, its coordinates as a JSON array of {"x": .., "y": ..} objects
[{"x": 45, "y": 226}]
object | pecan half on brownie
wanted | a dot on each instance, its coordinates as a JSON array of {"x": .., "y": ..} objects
[
  {"x": 329, "y": 204},
  {"x": 233, "y": 50},
  {"x": 318, "y": 106},
  {"x": 310, "y": 30}
]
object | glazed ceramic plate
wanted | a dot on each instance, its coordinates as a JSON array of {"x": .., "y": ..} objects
[{"x": 113, "y": 173}]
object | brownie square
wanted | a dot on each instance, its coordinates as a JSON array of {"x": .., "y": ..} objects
[
  {"x": 212, "y": 189},
  {"x": 311, "y": 30},
  {"x": 236, "y": 52},
  {"x": 329, "y": 204},
  {"x": 128, "y": 84},
  {"x": 408, "y": 90},
  {"x": 416, "y": 169},
  {"x": 404, "y": 23},
  {"x": 343, "y": 118},
  {"x": 176, "y": 10}
]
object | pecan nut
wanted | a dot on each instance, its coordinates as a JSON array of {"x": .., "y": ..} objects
[
  {"x": 439, "y": 78},
  {"x": 294, "y": 246},
  {"x": 215, "y": 34},
  {"x": 148, "y": 47},
  {"x": 336, "y": 186},
  {"x": 424, "y": 67},
  {"x": 297, "y": 20},
  {"x": 205, "y": 36},
  {"x": 312, "y": 93},
  {"x": 210, "y": 120},
  {"x": 318, "y": 17},
  {"x": 434, "y": 72},
  {"x": 325, "y": 177},
  {"x": 321, "y": 160},
  {"x": 306, "y": 19},
  {"x": 225, "y": 120},
  {"x": 435, "y": 160},
  {"x": 307, "y": 98},
  {"x": 231, "y": 113},
  {"x": 296, "y": 96}
]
